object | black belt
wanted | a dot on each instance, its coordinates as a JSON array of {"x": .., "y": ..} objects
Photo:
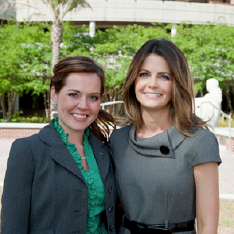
[{"x": 136, "y": 227}]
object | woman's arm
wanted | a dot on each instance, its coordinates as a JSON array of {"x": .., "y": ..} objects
[
  {"x": 207, "y": 197},
  {"x": 17, "y": 188}
]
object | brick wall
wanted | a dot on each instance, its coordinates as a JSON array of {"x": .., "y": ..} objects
[
  {"x": 227, "y": 144},
  {"x": 223, "y": 140},
  {"x": 14, "y": 133}
]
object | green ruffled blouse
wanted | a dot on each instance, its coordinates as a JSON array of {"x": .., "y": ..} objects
[{"x": 96, "y": 190}]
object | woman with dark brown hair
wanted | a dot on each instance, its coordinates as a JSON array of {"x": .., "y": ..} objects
[
  {"x": 166, "y": 160},
  {"x": 61, "y": 180}
]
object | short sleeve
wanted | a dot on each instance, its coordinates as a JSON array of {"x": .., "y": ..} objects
[{"x": 206, "y": 148}]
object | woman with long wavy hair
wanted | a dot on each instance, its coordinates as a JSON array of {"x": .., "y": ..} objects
[{"x": 166, "y": 159}]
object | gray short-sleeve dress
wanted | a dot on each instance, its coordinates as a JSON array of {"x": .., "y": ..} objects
[{"x": 154, "y": 176}]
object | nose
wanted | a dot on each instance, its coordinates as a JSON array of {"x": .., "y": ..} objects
[
  {"x": 153, "y": 82},
  {"x": 82, "y": 104}
]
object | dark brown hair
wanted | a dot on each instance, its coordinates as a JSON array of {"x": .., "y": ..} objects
[
  {"x": 182, "y": 104},
  {"x": 76, "y": 64}
]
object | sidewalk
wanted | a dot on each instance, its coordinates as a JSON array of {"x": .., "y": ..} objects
[
  {"x": 5, "y": 146},
  {"x": 226, "y": 174},
  {"x": 226, "y": 169}
]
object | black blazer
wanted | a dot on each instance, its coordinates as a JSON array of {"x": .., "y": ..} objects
[{"x": 44, "y": 191}]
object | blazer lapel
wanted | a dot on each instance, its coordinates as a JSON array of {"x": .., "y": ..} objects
[
  {"x": 58, "y": 150},
  {"x": 101, "y": 155},
  {"x": 61, "y": 155}
]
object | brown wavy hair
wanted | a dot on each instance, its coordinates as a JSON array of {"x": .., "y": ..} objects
[
  {"x": 182, "y": 104},
  {"x": 76, "y": 64}
]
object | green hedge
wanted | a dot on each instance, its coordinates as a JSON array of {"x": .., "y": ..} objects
[{"x": 29, "y": 119}]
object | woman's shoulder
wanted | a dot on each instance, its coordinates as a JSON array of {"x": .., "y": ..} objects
[
  {"x": 121, "y": 131},
  {"x": 202, "y": 138},
  {"x": 26, "y": 141},
  {"x": 22, "y": 151},
  {"x": 119, "y": 137},
  {"x": 202, "y": 133},
  {"x": 36, "y": 140},
  {"x": 205, "y": 147},
  {"x": 27, "y": 147}
]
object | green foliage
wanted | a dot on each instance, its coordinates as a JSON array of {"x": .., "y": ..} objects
[
  {"x": 210, "y": 52},
  {"x": 26, "y": 52},
  {"x": 114, "y": 48},
  {"x": 29, "y": 119},
  {"x": 25, "y": 57}
]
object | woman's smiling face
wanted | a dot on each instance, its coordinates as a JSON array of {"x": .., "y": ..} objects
[
  {"x": 78, "y": 101},
  {"x": 153, "y": 85}
]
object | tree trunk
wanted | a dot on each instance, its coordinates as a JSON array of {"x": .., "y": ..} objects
[
  {"x": 11, "y": 103},
  {"x": 56, "y": 40},
  {"x": 46, "y": 99},
  {"x": 3, "y": 104},
  {"x": 45, "y": 104}
]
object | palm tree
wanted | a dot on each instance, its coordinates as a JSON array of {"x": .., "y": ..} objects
[{"x": 59, "y": 9}]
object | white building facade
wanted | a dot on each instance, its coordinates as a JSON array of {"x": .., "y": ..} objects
[{"x": 121, "y": 12}]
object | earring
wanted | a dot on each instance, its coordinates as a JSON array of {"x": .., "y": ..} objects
[{"x": 55, "y": 103}]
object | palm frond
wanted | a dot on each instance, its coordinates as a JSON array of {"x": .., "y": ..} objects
[{"x": 50, "y": 5}]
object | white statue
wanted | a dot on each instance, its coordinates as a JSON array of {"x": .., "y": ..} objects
[{"x": 203, "y": 107}]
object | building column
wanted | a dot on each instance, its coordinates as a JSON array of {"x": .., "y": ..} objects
[
  {"x": 173, "y": 29},
  {"x": 92, "y": 28}
]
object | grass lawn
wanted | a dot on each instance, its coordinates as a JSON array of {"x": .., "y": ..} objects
[
  {"x": 224, "y": 123},
  {"x": 226, "y": 217}
]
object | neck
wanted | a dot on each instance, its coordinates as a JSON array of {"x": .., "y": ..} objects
[
  {"x": 76, "y": 138},
  {"x": 154, "y": 123}
]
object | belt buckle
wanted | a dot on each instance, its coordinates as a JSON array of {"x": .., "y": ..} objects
[{"x": 140, "y": 228}]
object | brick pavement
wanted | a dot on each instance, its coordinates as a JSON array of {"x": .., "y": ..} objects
[{"x": 226, "y": 169}]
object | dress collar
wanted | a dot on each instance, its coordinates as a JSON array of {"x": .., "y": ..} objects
[{"x": 160, "y": 145}]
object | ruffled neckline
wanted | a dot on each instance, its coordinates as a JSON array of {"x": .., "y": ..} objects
[{"x": 87, "y": 175}]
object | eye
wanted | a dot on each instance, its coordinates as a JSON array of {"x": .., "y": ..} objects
[
  {"x": 73, "y": 95},
  {"x": 94, "y": 98},
  {"x": 143, "y": 74},
  {"x": 165, "y": 77}
]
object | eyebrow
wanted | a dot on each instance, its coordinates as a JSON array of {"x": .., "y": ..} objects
[
  {"x": 77, "y": 91},
  {"x": 159, "y": 72}
]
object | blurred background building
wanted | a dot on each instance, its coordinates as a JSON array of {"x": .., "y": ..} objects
[{"x": 106, "y": 13}]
